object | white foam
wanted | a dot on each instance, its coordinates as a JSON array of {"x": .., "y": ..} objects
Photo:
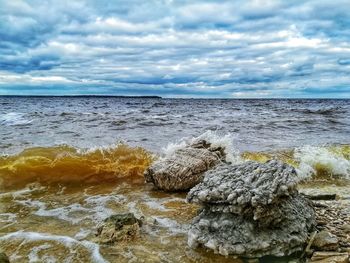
[
  {"x": 217, "y": 140},
  {"x": 310, "y": 156},
  {"x": 170, "y": 224},
  {"x": 103, "y": 200},
  {"x": 71, "y": 213},
  {"x": 153, "y": 204},
  {"x": 13, "y": 118},
  {"x": 69, "y": 242},
  {"x": 82, "y": 234},
  {"x": 8, "y": 218},
  {"x": 32, "y": 203},
  {"x": 94, "y": 208},
  {"x": 29, "y": 189},
  {"x": 34, "y": 257}
]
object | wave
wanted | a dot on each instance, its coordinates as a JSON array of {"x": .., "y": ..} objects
[
  {"x": 327, "y": 162},
  {"x": 324, "y": 111},
  {"x": 14, "y": 118},
  {"x": 333, "y": 161},
  {"x": 225, "y": 141},
  {"x": 66, "y": 164}
]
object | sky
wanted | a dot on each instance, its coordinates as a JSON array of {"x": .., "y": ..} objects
[{"x": 223, "y": 49}]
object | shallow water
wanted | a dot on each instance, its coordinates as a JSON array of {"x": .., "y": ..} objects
[{"x": 62, "y": 171}]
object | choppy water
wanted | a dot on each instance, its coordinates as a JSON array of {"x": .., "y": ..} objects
[
  {"x": 63, "y": 170},
  {"x": 153, "y": 123}
]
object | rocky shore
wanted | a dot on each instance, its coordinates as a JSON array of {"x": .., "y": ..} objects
[
  {"x": 253, "y": 209},
  {"x": 331, "y": 242}
]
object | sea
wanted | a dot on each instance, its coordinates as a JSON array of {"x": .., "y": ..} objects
[{"x": 67, "y": 163}]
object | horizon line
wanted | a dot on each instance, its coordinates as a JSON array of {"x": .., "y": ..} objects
[{"x": 160, "y": 97}]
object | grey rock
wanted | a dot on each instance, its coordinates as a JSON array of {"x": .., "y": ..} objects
[
  {"x": 228, "y": 233},
  {"x": 245, "y": 188},
  {"x": 118, "y": 228},
  {"x": 185, "y": 167},
  {"x": 251, "y": 210},
  {"x": 325, "y": 240}
]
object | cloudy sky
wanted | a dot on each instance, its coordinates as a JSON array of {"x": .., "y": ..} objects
[{"x": 231, "y": 49}]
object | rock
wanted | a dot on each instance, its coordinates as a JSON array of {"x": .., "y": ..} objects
[
  {"x": 345, "y": 228},
  {"x": 251, "y": 210},
  {"x": 118, "y": 228},
  {"x": 229, "y": 233},
  {"x": 334, "y": 217},
  {"x": 321, "y": 196},
  {"x": 4, "y": 258},
  {"x": 329, "y": 257},
  {"x": 185, "y": 167},
  {"x": 324, "y": 240},
  {"x": 245, "y": 188}
]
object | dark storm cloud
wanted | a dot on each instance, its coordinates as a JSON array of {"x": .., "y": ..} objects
[{"x": 176, "y": 48}]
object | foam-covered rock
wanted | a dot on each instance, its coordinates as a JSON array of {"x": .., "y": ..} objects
[
  {"x": 247, "y": 184},
  {"x": 229, "y": 233},
  {"x": 251, "y": 210},
  {"x": 185, "y": 167}
]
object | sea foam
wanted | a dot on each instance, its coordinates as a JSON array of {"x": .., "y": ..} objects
[
  {"x": 216, "y": 139},
  {"x": 322, "y": 160}
]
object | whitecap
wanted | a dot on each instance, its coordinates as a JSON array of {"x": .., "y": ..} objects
[
  {"x": 309, "y": 157},
  {"x": 225, "y": 141},
  {"x": 14, "y": 118}
]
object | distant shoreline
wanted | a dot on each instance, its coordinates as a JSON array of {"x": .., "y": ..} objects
[
  {"x": 82, "y": 96},
  {"x": 158, "y": 97}
]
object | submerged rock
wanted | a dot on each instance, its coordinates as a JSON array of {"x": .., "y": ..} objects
[
  {"x": 4, "y": 258},
  {"x": 185, "y": 167},
  {"x": 119, "y": 228},
  {"x": 251, "y": 210}
]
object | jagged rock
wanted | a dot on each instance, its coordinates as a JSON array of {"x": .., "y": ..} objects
[
  {"x": 185, "y": 167},
  {"x": 246, "y": 188},
  {"x": 329, "y": 257},
  {"x": 325, "y": 240},
  {"x": 251, "y": 210},
  {"x": 118, "y": 228},
  {"x": 4, "y": 258},
  {"x": 229, "y": 233}
]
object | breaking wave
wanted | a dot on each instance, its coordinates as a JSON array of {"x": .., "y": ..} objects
[
  {"x": 215, "y": 139},
  {"x": 66, "y": 164},
  {"x": 328, "y": 162},
  {"x": 331, "y": 161}
]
